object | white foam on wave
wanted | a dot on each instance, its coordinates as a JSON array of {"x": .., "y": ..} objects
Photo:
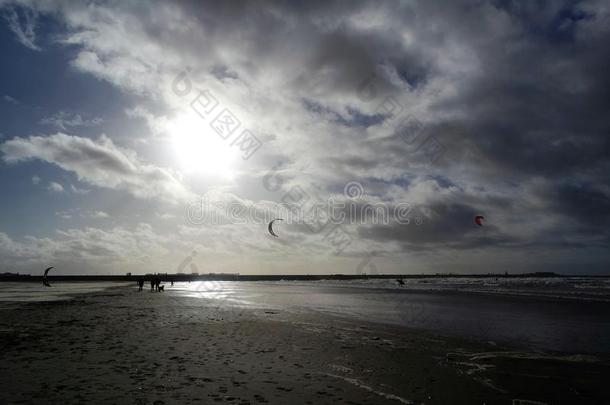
[
  {"x": 360, "y": 384},
  {"x": 580, "y": 288}
]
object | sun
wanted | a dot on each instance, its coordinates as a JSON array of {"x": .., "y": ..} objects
[{"x": 199, "y": 149}]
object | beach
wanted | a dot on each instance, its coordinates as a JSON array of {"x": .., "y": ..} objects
[{"x": 122, "y": 346}]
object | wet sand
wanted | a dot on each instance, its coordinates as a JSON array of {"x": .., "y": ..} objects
[{"x": 124, "y": 347}]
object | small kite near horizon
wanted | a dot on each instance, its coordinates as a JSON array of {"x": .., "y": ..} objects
[
  {"x": 45, "y": 281},
  {"x": 479, "y": 220},
  {"x": 270, "y": 227}
]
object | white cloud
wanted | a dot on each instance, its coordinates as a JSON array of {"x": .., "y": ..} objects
[
  {"x": 77, "y": 190},
  {"x": 71, "y": 213},
  {"x": 100, "y": 163},
  {"x": 11, "y": 100},
  {"x": 35, "y": 180},
  {"x": 64, "y": 120},
  {"x": 99, "y": 214},
  {"x": 139, "y": 248},
  {"x": 165, "y": 216},
  {"x": 157, "y": 124},
  {"x": 55, "y": 187},
  {"x": 102, "y": 250},
  {"x": 23, "y": 24}
]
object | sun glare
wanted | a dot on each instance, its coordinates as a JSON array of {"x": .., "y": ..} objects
[{"x": 199, "y": 149}]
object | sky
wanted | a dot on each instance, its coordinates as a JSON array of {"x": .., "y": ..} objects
[{"x": 164, "y": 136}]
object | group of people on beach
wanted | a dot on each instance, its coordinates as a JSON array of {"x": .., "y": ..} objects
[{"x": 155, "y": 283}]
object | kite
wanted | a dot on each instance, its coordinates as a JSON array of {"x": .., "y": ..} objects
[
  {"x": 270, "y": 227},
  {"x": 479, "y": 220},
  {"x": 45, "y": 281}
]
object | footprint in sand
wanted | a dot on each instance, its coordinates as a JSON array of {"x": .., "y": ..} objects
[
  {"x": 341, "y": 369},
  {"x": 260, "y": 398}
]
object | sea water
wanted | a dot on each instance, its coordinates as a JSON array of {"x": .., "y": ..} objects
[{"x": 551, "y": 314}]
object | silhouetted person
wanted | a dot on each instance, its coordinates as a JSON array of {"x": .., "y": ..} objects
[
  {"x": 157, "y": 283},
  {"x": 140, "y": 284},
  {"x": 171, "y": 282},
  {"x": 152, "y": 284}
]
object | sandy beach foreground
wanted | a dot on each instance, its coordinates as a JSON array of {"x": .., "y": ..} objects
[{"x": 123, "y": 347}]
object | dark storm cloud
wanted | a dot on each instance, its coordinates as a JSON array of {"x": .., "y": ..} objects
[
  {"x": 585, "y": 204},
  {"x": 539, "y": 108},
  {"x": 446, "y": 226},
  {"x": 319, "y": 47}
]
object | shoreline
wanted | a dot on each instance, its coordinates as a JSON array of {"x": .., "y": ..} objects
[
  {"x": 121, "y": 346},
  {"x": 535, "y": 295},
  {"x": 16, "y": 277}
]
